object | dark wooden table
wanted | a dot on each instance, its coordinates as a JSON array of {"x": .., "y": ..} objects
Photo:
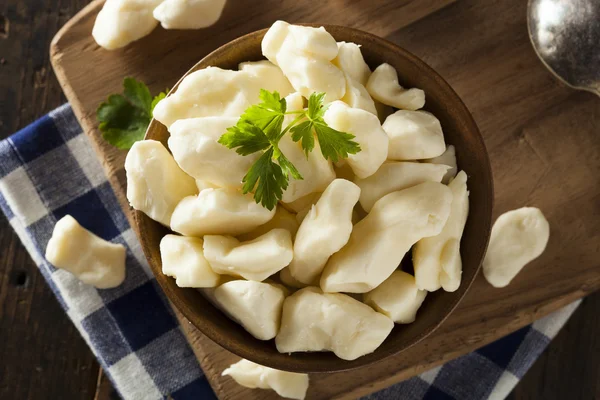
[{"x": 42, "y": 355}]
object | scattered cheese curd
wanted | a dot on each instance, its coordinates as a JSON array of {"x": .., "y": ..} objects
[
  {"x": 414, "y": 135},
  {"x": 357, "y": 96},
  {"x": 155, "y": 183},
  {"x": 394, "y": 176},
  {"x": 368, "y": 134},
  {"x": 254, "y": 305},
  {"x": 324, "y": 231},
  {"x": 90, "y": 258},
  {"x": 379, "y": 241},
  {"x": 436, "y": 259},
  {"x": 183, "y": 259},
  {"x": 398, "y": 297},
  {"x": 254, "y": 260},
  {"x": 219, "y": 212},
  {"x": 188, "y": 14},
  {"x": 384, "y": 87},
  {"x": 304, "y": 55},
  {"x": 518, "y": 237},
  {"x": 195, "y": 147},
  {"x": 215, "y": 92},
  {"x": 315, "y": 321},
  {"x": 448, "y": 158},
  {"x": 290, "y": 385},
  {"x": 350, "y": 60},
  {"x": 121, "y": 22}
]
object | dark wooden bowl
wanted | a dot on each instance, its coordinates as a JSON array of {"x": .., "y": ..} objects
[{"x": 459, "y": 130}]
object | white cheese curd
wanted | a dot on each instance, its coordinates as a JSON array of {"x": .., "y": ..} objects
[
  {"x": 268, "y": 75},
  {"x": 254, "y": 260},
  {"x": 414, "y": 135},
  {"x": 183, "y": 259},
  {"x": 273, "y": 40},
  {"x": 437, "y": 259},
  {"x": 350, "y": 60},
  {"x": 219, "y": 212},
  {"x": 290, "y": 385},
  {"x": 304, "y": 55},
  {"x": 448, "y": 158},
  {"x": 518, "y": 237},
  {"x": 394, "y": 176},
  {"x": 188, "y": 14},
  {"x": 195, "y": 147},
  {"x": 254, "y": 305},
  {"x": 301, "y": 204},
  {"x": 90, "y": 258},
  {"x": 324, "y": 231},
  {"x": 155, "y": 183},
  {"x": 357, "y": 96},
  {"x": 121, "y": 22},
  {"x": 398, "y": 297},
  {"x": 384, "y": 87},
  {"x": 213, "y": 92},
  {"x": 316, "y": 42},
  {"x": 379, "y": 241},
  {"x": 308, "y": 74},
  {"x": 315, "y": 321},
  {"x": 368, "y": 134}
]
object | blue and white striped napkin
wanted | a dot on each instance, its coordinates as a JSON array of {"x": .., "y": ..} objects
[{"x": 49, "y": 169}]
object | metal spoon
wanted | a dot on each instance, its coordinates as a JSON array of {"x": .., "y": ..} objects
[{"x": 566, "y": 36}]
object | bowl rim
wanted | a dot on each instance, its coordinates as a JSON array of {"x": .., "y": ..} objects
[{"x": 231, "y": 345}]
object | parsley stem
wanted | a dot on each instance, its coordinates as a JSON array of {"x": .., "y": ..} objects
[
  {"x": 294, "y": 112},
  {"x": 291, "y": 124}
]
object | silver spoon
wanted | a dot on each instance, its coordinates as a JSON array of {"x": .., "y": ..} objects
[{"x": 566, "y": 36}]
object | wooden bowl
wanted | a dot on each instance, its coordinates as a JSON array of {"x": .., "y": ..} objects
[{"x": 459, "y": 130}]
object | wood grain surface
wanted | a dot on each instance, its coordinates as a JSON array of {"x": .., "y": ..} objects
[
  {"x": 509, "y": 97},
  {"x": 43, "y": 356}
]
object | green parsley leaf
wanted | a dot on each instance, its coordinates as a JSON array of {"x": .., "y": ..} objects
[
  {"x": 125, "y": 118},
  {"x": 158, "y": 98},
  {"x": 286, "y": 165},
  {"x": 245, "y": 137},
  {"x": 266, "y": 179},
  {"x": 315, "y": 105},
  {"x": 335, "y": 145},
  {"x": 268, "y": 114}
]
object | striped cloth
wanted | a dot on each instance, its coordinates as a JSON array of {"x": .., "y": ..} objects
[{"x": 49, "y": 170}]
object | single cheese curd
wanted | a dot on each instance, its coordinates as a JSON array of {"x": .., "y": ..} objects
[
  {"x": 254, "y": 260},
  {"x": 448, "y": 158},
  {"x": 195, "y": 147},
  {"x": 267, "y": 74},
  {"x": 121, "y": 22},
  {"x": 518, "y": 237},
  {"x": 350, "y": 60},
  {"x": 90, "y": 258},
  {"x": 214, "y": 92},
  {"x": 155, "y": 183},
  {"x": 254, "y": 305},
  {"x": 357, "y": 96},
  {"x": 384, "y": 87},
  {"x": 314, "y": 41},
  {"x": 273, "y": 40},
  {"x": 324, "y": 231},
  {"x": 379, "y": 241},
  {"x": 219, "y": 212},
  {"x": 437, "y": 259},
  {"x": 394, "y": 176},
  {"x": 368, "y": 134},
  {"x": 188, "y": 14},
  {"x": 398, "y": 297},
  {"x": 290, "y": 385},
  {"x": 414, "y": 135},
  {"x": 183, "y": 259},
  {"x": 315, "y": 321}
]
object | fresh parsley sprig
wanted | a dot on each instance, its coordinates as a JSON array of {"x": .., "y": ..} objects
[
  {"x": 125, "y": 117},
  {"x": 260, "y": 129}
]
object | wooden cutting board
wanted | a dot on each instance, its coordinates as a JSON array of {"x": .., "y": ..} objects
[{"x": 543, "y": 140}]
